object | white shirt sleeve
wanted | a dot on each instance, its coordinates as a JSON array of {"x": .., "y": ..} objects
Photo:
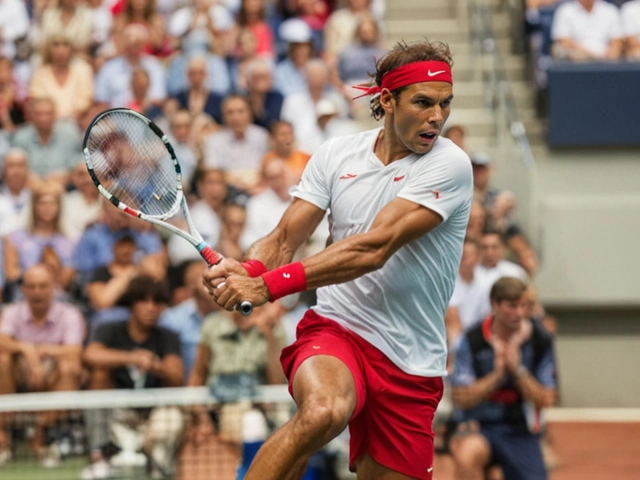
[
  {"x": 314, "y": 187},
  {"x": 442, "y": 186},
  {"x": 561, "y": 26}
]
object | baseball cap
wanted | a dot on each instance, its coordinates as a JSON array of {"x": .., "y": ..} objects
[
  {"x": 480, "y": 158},
  {"x": 295, "y": 30},
  {"x": 326, "y": 107}
]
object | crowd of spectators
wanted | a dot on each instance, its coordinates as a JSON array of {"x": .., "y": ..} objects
[
  {"x": 247, "y": 90},
  {"x": 580, "y": 31}
]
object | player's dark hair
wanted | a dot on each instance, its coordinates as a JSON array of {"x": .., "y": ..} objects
[
  {"x": 402, "y": 54},
  {"x": 144, "y": 287},
  {"x": 507, "y": 288}
]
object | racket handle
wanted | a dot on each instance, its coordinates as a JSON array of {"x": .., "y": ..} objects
[
  {"x": 210, "y": 256},
  {"x": 245, "y": 307}
]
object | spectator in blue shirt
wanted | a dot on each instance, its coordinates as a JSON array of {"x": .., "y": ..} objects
[
  {"x": 266, "y": 103},
  {"x": 290, "y": 74},
  {"x": 504, "y": 374},
  {"x": 95, "y": 247},
  {"x": 198, "y": 97},
  {"x": 185, "y": 319}
]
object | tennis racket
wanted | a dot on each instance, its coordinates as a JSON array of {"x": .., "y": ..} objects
[{"x": 134, "y": 166}]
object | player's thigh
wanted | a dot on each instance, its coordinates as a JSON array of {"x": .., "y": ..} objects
[
  {"x": 325, "y": 381},
  {"x": 368, "y": 469}
]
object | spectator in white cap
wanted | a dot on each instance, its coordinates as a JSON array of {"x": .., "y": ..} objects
[{"x": 289, "y": 75}]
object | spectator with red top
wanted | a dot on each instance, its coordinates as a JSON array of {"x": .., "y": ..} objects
[
  {"x": 11, "y": 113},
  {"x": 252, "y": 17},
  {"x": 143, "y": 13}
]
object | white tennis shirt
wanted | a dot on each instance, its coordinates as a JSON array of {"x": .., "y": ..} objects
[{"x": 399, "y": 308}]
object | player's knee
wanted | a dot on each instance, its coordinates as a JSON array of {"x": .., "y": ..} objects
[
  {"x": 324, "y": 416},
  {"x": 471, "y": 452}
]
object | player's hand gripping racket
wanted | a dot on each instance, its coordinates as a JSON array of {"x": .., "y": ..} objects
[{"x": 135, "y": 167}]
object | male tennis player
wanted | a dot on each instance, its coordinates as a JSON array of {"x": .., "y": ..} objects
[{"x": 371, "y": 353}]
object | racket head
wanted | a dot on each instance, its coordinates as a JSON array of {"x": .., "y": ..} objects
[{"x": 133, "y": 164}]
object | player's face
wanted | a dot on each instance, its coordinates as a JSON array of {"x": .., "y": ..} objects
[
  {"x": 420, "y": 115},
  {"x": 509, "y": 313}
]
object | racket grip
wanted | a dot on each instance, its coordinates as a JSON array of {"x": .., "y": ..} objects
[{"x": 210, "y": 256}]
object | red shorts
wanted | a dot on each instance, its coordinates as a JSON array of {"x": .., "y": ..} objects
[{"x": 394, "y": 411}]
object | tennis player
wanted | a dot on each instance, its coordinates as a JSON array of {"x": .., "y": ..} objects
[{"x": 372, "y": 352}]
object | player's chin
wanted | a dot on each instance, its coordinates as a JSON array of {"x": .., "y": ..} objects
[{"x": 421, "y": 148}]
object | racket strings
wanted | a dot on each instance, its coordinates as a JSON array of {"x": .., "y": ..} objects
[{"x": 132, "y": 163}]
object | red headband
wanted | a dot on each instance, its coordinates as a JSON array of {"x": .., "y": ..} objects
[{"x": 416, "y": 72}]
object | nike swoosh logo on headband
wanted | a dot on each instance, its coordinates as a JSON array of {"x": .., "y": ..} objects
[{"x": 433, "y": 74}]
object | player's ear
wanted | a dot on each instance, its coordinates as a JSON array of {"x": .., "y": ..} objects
[{"x": 386, "y": 100}]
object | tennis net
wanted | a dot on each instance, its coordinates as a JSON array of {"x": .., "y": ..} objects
[{"x": 173, "y": 433}]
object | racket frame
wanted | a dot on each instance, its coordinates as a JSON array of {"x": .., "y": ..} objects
[{"x": 210, "y": 256}]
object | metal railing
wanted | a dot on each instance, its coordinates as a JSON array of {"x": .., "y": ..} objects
[{"x": 498, "y": 93}]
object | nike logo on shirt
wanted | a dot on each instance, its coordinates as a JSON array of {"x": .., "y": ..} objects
[
  {"x": 348, "y": 176},
  {"x": 397, "y": 179}
]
